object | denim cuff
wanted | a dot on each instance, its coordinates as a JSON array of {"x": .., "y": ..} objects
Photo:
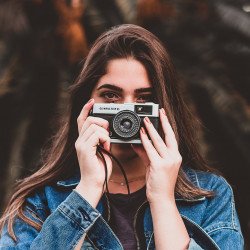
[{"x": 76, "y": 208}]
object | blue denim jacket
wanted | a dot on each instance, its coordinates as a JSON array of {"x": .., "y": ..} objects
[{"x": 212, "y": 223}]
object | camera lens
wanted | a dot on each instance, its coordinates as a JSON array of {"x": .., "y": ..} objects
[{"x": 126, "y": 124}]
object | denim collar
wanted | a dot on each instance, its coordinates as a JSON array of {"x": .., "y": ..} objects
[
  {"x": 192, "y": 176},
  {"x": 71, "y": 182}
]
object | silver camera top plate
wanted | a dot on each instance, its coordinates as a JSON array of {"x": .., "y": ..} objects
[{"x": 113, "y": 108}]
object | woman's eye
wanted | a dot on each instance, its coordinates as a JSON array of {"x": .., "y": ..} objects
[
  {"x": 109, "y": 96},
  {"x": 144, "y": 98}
]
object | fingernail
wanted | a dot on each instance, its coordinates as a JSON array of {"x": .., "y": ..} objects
[
  {"x": 163, "y": 111},
  {"x": 147, "y": 120},
  {"x": 143, "y": 130}
]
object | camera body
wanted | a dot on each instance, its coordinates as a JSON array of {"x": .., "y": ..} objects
[{"x": 125, "y": 120}]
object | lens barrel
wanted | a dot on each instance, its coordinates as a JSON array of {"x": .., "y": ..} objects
[{"x": 126, "y": 124}]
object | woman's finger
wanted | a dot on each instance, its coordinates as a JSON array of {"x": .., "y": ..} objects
[
  {"x": 159, "y": 144},
  {"x": 94, "y": 120},
  {"x": 148, "y": 146},
  {"x": 92, "y": 129},
  {"x": 168, "y": 131},
  {"x": 84, "y": 113},
  {"x": 97, "y": 138}
]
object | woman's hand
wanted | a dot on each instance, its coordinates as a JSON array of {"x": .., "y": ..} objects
[
  {"x": 163, "y": 161},
  {"x": 161, "y": 158},
  {"x": 93, "y": 131}
]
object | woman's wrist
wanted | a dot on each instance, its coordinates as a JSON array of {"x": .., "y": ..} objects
[
  {"x": 158, "y": 198},
  {"x": 168, "y": 225},
  {"x": 91, "y": 193},
  {"x": 162, "y": 203}
]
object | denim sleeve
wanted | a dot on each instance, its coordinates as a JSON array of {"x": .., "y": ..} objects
[
  {"x": 61, "y": 230},
  {"x": 221, "y": 222},
  {"x": 193, "y": 245}
]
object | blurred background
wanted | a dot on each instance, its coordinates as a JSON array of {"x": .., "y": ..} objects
[{"x": 43, "y": 44}]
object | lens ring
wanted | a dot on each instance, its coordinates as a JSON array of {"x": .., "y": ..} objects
[{"x": 123, "y": 131}]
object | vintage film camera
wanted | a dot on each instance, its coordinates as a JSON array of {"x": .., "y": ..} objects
[{"x": 125, "y": 120}]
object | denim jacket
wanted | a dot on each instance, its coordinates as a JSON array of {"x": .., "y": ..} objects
[{"x": 212, "y": 223}]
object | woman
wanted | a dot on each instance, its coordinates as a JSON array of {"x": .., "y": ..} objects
[{"x": 176, "y": 201}]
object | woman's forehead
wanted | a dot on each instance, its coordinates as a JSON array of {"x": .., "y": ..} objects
[{"x": 125, "y": 73}]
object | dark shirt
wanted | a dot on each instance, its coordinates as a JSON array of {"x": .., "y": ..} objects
[{"x": 123, "y": 211}]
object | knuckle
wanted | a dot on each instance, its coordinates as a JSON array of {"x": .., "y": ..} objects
[
  {"x": 179, "y": 159},
  {"x": 106, "y": 132},
  {"x": 103, "y": 137},
  {"x": 89, "y": 119},
  {"x": 100, "y": 129},
  {"x": 77, "y": 145},
  {"x": 93, "y": 126},
  {"x": 96, "y": 133},
  {"x": 78, "y": 119},
  {"x": 80, "y": 146},
  {"x": 106, "y": 123}
]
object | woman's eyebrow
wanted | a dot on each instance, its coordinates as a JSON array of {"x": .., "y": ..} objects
[
  {"x": 118, "y": 89},
  {"x": 141, "y": 90},
  {"x": 110, "y": 86}
]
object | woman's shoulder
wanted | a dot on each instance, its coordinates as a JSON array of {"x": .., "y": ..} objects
[
  {"x": 216, "y": 215},
  {"x": 208, "y": 180},
  {"x": 219, "y": 210}
]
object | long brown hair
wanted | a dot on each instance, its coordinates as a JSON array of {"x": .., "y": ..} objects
[{"x": 122, "y": 41}]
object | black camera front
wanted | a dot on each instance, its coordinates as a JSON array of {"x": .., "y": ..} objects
[{"x": 125, "y": 120}]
